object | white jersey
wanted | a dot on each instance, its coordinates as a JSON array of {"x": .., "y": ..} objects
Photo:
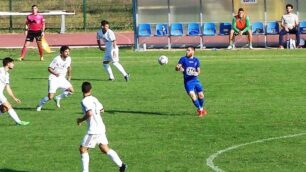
[
  {"x": 95, "y": 123},
  {"x": 290, "y": 20},
  {"x": 4, "y": 78},
  {"x": 60, "y": 66},
  {"x": 108, "y": 38}
]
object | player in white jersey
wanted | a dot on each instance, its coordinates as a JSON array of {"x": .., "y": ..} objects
[
  {"x": 290, "y": 24},
  {"x": 8, "y": 64},
  {"x": 60, "y": 75},
  {"x": 111, "y": 50},
  {"x": 92, "y": 108}
]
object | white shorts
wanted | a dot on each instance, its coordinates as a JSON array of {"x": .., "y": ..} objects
[
  {"x": 58, "y": 83},
  {"x": 112, "y": 56},
  {"x": 91, "y": 140},
  {"x": 2, "y": 99}
]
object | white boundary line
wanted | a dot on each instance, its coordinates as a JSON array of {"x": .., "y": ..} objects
[{"x": 210, "y": 159}]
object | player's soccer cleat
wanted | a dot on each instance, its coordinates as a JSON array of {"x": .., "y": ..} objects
[
  {"x": 21, "y": 58},
  {"x": 201, "y": 113},
  {"x": 281, "y": 47},
  {"x": 111, "y": 79},
  {"x": 38, "y": 108},
  {"x": 123, "y": 168},
  {"x": 41, "y": 58},
  {"x": 57, "y": 102},
  {"x": 231, "y": 47},
  {"x": 127, "y": 77},
  {"x": 23, "y": 123},
  {"x": 250, "y": 47}
]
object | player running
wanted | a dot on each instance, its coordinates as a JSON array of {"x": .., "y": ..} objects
[
  {"x": 92, "y": 108},
  {"x": 8, "y": 64},
  {"x": 190, "y": 66},
  {"x": 60, "y": 75},
  {"x": 35, "y": 28},
  {"x": 111, "y": 50}
]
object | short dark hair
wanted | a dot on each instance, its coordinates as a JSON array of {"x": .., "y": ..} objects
[
  {"x": 289, "y": 5},
  {"x": 86, "y": 87},
  {"x": 104, "y": 22},
  {"x": 193, "y": 48},
  {"x": 240, "y": 9},
  {"x": 7, "y": 60},
  {"x": 64, "y": 48},
  {"x": 34, "y": 6}
]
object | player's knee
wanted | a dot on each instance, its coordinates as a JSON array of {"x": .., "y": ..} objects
[
  {"x": 82, "y": 149},
  {"x": 104, "y": 148},
  {"x": 201, "y": 95}
]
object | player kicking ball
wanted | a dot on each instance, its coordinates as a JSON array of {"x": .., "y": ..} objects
[
  {"x": 190, "y": 67},
  {"x": 60, "y": 75},
  {"x": 111, "y": 51},
  {"x": 92, "y": 108},
  {"x": 5, "y": 106}
]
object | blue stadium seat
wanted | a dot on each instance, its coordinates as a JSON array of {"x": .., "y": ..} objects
[
  {"x": 161, "y": 30},
  {"x": 225, "y": 28},
  {"x": 272, "y": 28},
  {"x": 258, "y": 28},
  {"x": 177, "y": 29},
  {"x": 194, "y": 29},
  {"x": 144, "y": 30},
  {"x": 209, "y": 29},
  {"x": 303, "y": 27}
]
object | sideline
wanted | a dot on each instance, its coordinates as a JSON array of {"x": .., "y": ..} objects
[{"x": 210, "y": 159}]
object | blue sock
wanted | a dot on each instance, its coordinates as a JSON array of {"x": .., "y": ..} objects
[
  {"x": 202, "y": 101},
  {"x": 196, "y": 103}
]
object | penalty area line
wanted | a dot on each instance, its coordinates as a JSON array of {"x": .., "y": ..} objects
[{"x": 211, "y": 158}]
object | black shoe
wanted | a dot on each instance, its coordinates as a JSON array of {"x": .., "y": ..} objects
[
  {"x": 122, "y": 168},
  {"x": 127, "y": 77},
  {"x": 110, "y": 79}
]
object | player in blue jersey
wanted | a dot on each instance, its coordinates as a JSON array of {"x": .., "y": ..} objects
[{"x": 190, "y": 67}]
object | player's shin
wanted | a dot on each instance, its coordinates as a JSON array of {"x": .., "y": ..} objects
[
  {"x": 202, "y": 101},
  {"x": 14, "y": 115},
  {"x": 85, "y": 161},
  {"x": 114, "y": 156},
  {"x": 108, "y": 70},
  {"x": 120, "y": 68}
]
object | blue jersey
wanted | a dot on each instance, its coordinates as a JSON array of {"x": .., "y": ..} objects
[{"x": 190, "y": 65}]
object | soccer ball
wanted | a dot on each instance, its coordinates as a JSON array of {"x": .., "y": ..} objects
[{"x": 162, "y": 60}]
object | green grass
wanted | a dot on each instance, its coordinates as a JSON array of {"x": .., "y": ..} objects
[{"x": 152, "y": 124}]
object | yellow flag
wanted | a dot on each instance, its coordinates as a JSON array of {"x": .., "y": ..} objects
[{"x": 45, "y": 45}]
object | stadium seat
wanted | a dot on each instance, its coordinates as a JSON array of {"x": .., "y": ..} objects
[
  {"x": 161, "y": 30},
  {"x": 177, "y": 29},
  {"x": 272, "y": 28},
  {"x": 258, "y": 28},
  {"x": 144, "y": 30},
  {"x": 303, "y": 27},
  {"x": 225, "y": 28},
  {"x": 194, "y": 29},
  {"x": 209, "y": 29}
]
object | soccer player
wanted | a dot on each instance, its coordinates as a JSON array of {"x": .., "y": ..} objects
[
  {"x": 92, "y": 108},
  {"x": 240, "y": 26},
  {"x": 8, "y": 64},
  {"x": 35, "y": 28},
  {"x": 60, "y": 75},
  {"x": 290, "y": 24},
  {"x": 190, "y": 67},
  {"x": 111, "y": 50}
]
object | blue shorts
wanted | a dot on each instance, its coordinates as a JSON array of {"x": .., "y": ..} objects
[{"x": 193, "y": 85}]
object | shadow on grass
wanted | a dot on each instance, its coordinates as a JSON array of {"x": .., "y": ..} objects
[
  {"x": 142, "y": 112},
  {"x": 32, "y": 109},
  {"x": 11, "y": 170},
  {"x": 74, "y": 79}
]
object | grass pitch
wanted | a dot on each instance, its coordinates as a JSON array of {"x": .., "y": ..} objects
[{"x": 150, "y": 121}]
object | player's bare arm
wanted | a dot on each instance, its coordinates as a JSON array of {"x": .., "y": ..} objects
[
  {"x": 52, "y": 71},
  {"x": 69, "y": 69},
  {"x": 179, "y": 68},
  {"x": 99, "y": 45},
  {"x": 10, "y": 92},
  {"x": 85, "y": 117}
]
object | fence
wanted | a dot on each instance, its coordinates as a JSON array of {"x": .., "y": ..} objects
[{"x": 88, "y": 14}]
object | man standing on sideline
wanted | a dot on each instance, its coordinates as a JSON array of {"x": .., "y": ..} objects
[
  {"x": 35, "y": 28},
  {"x": 60, "y": 75},
  {"x": 240, "y": 26},
  {"x": 190, "y": 66},
  {"x": 111, "y": 50},
  {"x": 8, "y": 64},
  {"x": 92, "y": 108},
  {"x": 290, "y": 24}
]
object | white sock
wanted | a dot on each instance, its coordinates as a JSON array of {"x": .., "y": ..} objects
[
  {"x": 43, "y": 101},
  {"x": 63, "y": 95},
  {"x": 114, "y": 156},
  {"x": 85, "y": 161},
  {"x": 120, "y": 68},
  {"x": 108, "y": 70},
  {"x": 14, "y": 115}
]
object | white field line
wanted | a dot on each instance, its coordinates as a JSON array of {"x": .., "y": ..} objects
[{"x": 210, "y": 159}]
